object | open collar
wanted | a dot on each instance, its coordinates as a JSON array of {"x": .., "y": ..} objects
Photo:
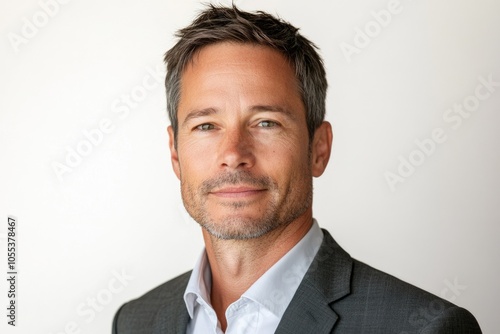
[{"x": 326, "y": 281}]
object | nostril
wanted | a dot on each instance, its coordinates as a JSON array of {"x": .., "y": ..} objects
[{"x": 237, "y": 154}]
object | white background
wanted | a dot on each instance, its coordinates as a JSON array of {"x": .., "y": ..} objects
[{"x": 119, "y": 209}]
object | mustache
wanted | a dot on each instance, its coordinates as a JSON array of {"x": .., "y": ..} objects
[{"x": 236, "y": 178}]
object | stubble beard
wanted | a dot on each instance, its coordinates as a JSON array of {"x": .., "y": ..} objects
[{"x": 234, "y": 227}]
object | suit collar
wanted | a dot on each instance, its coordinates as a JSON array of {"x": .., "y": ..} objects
[
  {"x": 172, "y": 316},
  {"x": 330, "y": 271},
  {"x": 326, "y": 281}
]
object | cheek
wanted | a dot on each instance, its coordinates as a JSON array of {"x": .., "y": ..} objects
[
  {"x": 285, "y": 160},
  {"x": 286, "y": 148},
  {"x": 194, "y": 161}
]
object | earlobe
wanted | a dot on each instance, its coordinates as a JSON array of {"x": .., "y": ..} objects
[
  {"x": 321, "y": 148},
  {"x": 174, "y": 156}
]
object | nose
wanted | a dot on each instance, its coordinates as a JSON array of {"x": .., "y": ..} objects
[{"x": 236, "y": 150}]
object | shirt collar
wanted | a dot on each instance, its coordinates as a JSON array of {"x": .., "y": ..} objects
[
  {"x": 200, "y": 281},
  {"x": 274, "y": 289}
]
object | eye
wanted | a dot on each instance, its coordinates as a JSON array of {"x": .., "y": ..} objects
[
  {"x": 267, "y": 124},
  {"x": 205, "y": 127}
]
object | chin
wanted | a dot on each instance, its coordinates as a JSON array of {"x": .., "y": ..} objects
[{"x": 232, "y": 228}]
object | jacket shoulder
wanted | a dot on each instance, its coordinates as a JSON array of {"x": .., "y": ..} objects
[
  {"x": 141, "y": 315},
  {"x": 367, "y": 300},
  {"x": 389, "y": 301}
]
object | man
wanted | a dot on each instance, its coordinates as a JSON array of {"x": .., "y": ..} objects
[{"x": 246, "y": 99}]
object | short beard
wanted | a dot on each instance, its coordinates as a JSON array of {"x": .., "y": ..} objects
[{"x": 235, "y": 228}]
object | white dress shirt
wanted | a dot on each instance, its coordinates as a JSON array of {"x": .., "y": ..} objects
[{"x": 260, "y": 308}]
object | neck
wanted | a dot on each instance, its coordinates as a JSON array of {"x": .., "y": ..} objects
[{"x": 237, "y": 264}]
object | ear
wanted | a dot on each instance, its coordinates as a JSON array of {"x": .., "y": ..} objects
[
  {"x": 174, "y": 156},
  {"x": 321, "y": 148}
]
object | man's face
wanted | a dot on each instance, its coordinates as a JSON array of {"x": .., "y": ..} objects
[{"x": 242, "y": 152}]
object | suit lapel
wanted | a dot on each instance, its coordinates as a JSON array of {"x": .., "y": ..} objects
[
  {"x": 307, "y": 313},
  {"x": 173, "y": 317},
  {"x": 327, "y": 280}
]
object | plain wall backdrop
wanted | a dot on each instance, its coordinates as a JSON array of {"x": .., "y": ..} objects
[{"x": 85, "y": 163}]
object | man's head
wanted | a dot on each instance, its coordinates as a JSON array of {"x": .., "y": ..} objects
[
  {"x": 223, "y": 24},
  {"x": 241, "y": 140}
]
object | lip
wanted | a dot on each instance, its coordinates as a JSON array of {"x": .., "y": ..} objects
[{"x": 237, "y": 192}]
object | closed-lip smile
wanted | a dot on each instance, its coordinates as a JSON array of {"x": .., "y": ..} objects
[{"x": 237, "y": 191}]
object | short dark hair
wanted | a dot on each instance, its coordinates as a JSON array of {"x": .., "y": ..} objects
[{"x": 221, "y": 24}]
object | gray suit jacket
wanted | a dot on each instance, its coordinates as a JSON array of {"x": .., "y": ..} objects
[{"x": 337, "y": 295}]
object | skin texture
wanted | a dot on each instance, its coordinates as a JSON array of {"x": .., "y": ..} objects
[{"x": 245, "y": 162}]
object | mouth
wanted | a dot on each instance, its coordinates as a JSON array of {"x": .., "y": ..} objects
[{"x": 237, "y": 192}]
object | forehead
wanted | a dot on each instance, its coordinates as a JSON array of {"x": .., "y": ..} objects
[
  {"x": 236, "y": 72},
  {"x": 243, "y": 52}
]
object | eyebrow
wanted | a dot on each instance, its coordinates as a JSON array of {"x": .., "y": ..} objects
[
  {"x": 198, "y": 113},
  {"x": 272, "y": 108},
  {"x": 256, "y": 108}
]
